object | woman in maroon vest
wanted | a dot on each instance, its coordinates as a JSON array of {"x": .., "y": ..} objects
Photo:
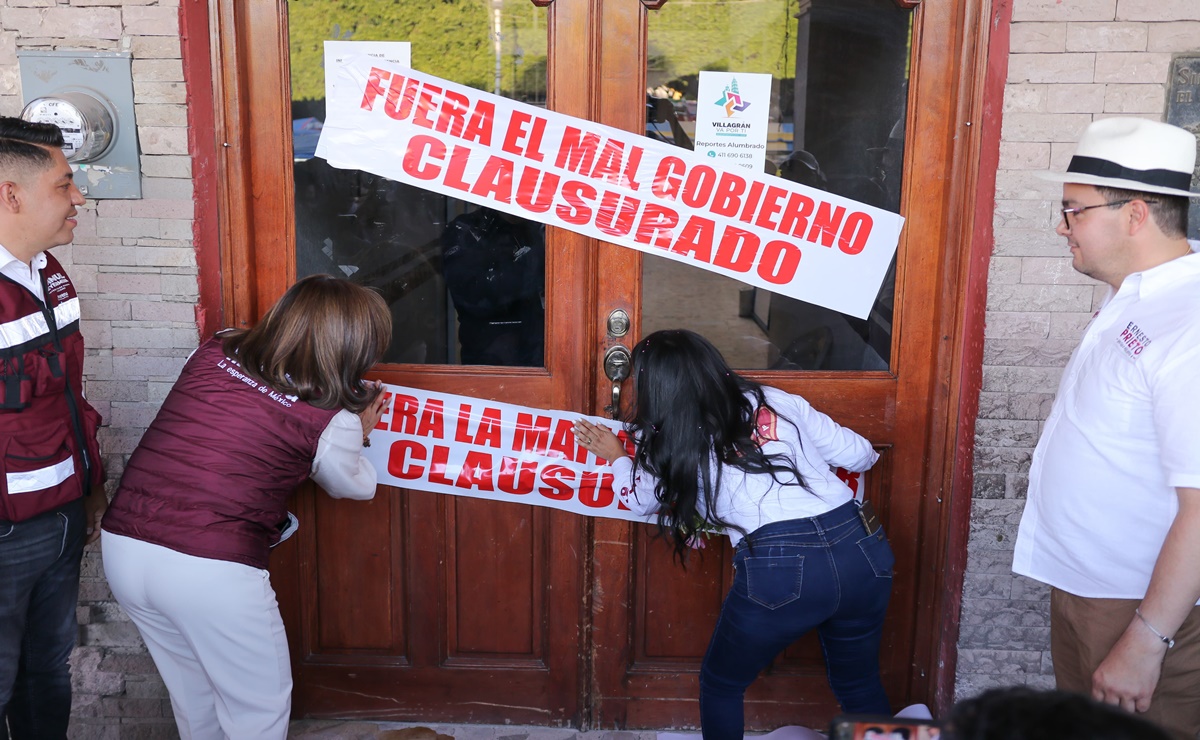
[{"x": 253, "y": 414}]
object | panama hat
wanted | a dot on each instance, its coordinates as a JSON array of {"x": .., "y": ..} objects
[{"x": 1133, "y": 154}]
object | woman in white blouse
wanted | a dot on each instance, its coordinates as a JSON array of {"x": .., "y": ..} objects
[{"x": 717, "y": 452}]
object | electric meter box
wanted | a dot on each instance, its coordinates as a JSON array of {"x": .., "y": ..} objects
[{"x": 89, "y": 95}]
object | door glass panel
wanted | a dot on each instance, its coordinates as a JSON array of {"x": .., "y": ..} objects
[
  {"x": 466, "y": 285},
  {"x": 839, "y": 97}
]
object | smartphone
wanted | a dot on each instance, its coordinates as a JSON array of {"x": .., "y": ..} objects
[
  {"x": 870, "y": 520},
  {"x": 864, "y": 727}
]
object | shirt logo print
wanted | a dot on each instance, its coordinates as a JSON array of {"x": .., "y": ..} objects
[
  {"x": 1133, "y": 341},
  {"x": 766, "y": 427}
]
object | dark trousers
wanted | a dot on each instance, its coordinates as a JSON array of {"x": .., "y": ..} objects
[
  {"x": 824, "y": 573},
  {"x": 39, "y": 588}
]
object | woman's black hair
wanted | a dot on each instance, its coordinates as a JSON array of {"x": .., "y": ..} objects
[{"x": 692, "y": 411}]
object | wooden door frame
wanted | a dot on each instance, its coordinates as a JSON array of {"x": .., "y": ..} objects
[
  {"x": 227, "y": 219},
  {"x": 990, "y": 72},
  {"x": 200, "y": 72}
]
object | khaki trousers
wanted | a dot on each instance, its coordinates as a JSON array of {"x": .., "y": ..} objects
[{"x": 1082, "y": 631}]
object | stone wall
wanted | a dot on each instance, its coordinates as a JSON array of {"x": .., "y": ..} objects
[
  {"x": 1071, "y": 62},
  {"x": 134, "y": 265}
]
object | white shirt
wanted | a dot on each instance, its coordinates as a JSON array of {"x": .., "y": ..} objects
[
  {"x": 26, "y": 275},
  {"x": 1124, "y": 432},
  {"x": 803, "y": 434},
  {"x": 339, "y": 466}
]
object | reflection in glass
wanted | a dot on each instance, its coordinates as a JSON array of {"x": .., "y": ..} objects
[
  {"x": 495, "y": 269},
  {"x": 838, "y": 106},
  {"x": 466, "y": 285}
]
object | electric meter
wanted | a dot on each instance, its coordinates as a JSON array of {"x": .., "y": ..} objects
[{"x": 86, "y": 123}]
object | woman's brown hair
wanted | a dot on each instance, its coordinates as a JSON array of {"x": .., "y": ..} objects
[{"x": 317, "y": 342}]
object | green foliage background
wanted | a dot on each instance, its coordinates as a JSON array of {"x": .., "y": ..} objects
[
  {"x": 450, "y": 39},
  {"x": 687, "y": 36}
]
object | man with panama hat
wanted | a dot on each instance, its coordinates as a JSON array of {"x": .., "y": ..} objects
[{"x": 1112, "y": 519}]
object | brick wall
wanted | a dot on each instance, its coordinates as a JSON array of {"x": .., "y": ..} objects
[
  {"x": 1071, "y": 62},
  {"x": 134, "y": 265}
]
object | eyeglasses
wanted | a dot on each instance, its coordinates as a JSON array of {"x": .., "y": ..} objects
[{"x": 1066, "y": 212}]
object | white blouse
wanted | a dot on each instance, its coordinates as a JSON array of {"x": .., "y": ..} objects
[
  {"x": 814, "y": 441},
  {"x": 339, "y": 466}
]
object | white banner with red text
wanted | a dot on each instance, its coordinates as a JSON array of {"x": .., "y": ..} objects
[
  {"x": 463, "y": 446},
  {"x": 605, "y": 183}
]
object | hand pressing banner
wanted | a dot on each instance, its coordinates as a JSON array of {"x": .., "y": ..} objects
[{"x": 605, "y": 183}]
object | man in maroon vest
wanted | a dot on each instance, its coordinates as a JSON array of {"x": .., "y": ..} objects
[{"x": 51, "y": 478}]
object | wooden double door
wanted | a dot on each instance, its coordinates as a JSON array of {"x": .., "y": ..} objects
[{"x": 422, "y": 607}]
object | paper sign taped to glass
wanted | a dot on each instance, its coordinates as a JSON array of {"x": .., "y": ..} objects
[
  {"x": 464, "y": 446},
  {"x": 605, "y": 183}
]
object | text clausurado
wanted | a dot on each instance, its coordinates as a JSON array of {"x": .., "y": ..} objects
[{"x": 590, "y": 162}]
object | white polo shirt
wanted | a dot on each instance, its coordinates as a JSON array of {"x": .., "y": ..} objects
[{"x": 1124, "y": 432}]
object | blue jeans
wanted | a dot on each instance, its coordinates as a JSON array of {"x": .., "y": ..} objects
[
  {"x": 39, "y": 587},
  {"x": 824, "y": 572}
]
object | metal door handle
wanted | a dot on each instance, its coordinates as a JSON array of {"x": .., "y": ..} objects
[{"x": 617, "y": 365}]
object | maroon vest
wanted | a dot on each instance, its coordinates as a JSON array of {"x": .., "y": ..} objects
[
  {"x": 48, "y": 450},
  {"x": 212, "y": 474}
]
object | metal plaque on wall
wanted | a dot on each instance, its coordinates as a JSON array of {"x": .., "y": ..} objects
[{"x": 1183, "y": 110}]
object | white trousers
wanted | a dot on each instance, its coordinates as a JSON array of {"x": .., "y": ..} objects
[{"x": 214, "y": 631}]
